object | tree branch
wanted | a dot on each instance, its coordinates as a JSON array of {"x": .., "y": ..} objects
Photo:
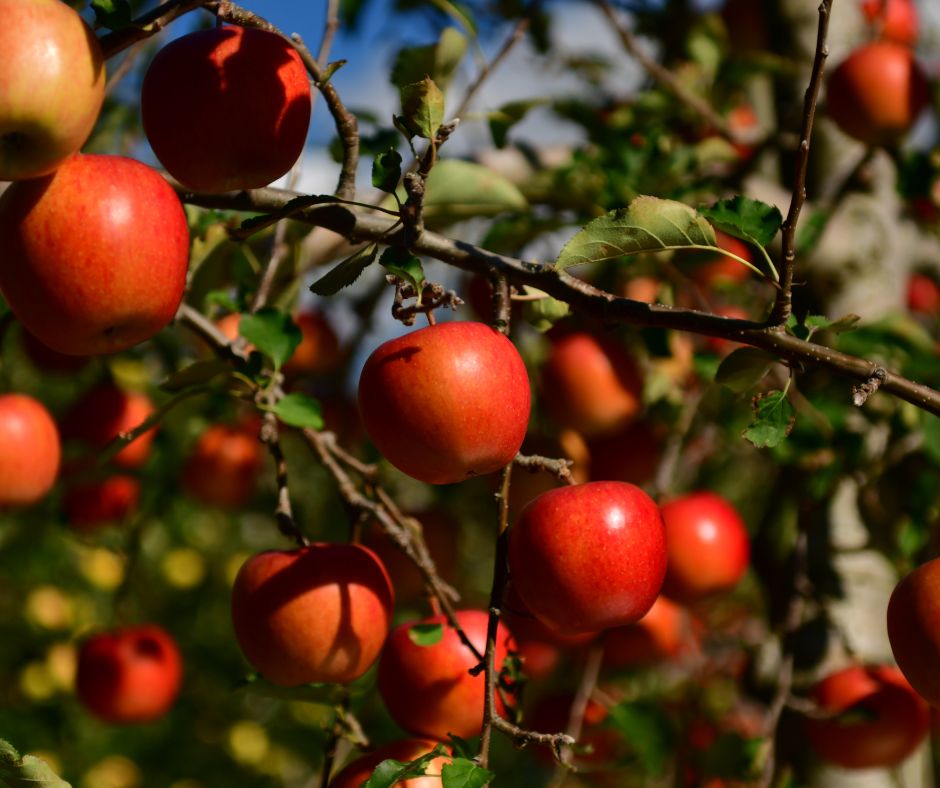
[{"x": 146, "y": 25}]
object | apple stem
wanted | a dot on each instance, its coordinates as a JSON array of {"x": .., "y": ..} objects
[{"x": 431, "y": 319}]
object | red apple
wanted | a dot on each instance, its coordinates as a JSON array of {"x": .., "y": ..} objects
[
  {"x": 318, "y": 351},
  {"x": 896, "y": 20},
  {"x": 45, "y": 359},
  {"x": 875, "y": 718},
  {"x": 428, "y": 690},
  {"x": 877, "y": 93},
  {"x": 105, "y": 412},
  {"x": 94, "y": 255},
  {"x": 655, "y": 638},
  {"x": 743, "y": 120},
  {"x": 224, "y": 466},
  {"x": 590, "y": 385},
  {"x": 923, "y": 294},
  {"x": 29, "y": 450},
  {"x": 446, "y": 402},
  {"x": 589, "y": 556},
  {"x": 93, "y": 503},
  {"x": 708, "y": 546},
  {"x": 243, "y": 96},
  {"x": 129, "y": 675},
  {"x": 316, "y": 614},
  {"x": 403, "y": 751},
  {"x": 52, "y": 79},
  {"x": 717, "y": 269},
  {"x": 914, "y": 628}
]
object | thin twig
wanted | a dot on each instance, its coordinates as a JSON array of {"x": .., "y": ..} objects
[
  {"x": 283, "y": 512},
  {"x": 330, "y": 26},
  {"x": 783, "y": 300},
  {"x": 146, "y": 25},
  {"x": 560, "y": 468}
]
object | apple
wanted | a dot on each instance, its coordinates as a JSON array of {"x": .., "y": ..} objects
[
  {"x": 656, "y": 638},
  {"x": 592, "y": 386},
  {"x": 914, "y": 628},
  {"x": 224, "y": 465},
  {"x": 874, "y": 718},
  {"x": 446, "y": 402},
  {"x": 428, "y": 690},
  {"x": 708, "y": 546},
  {"x": 747, "y": 24},
  {"x": 90, "y": 504},
  {"x": 29, "y": 450},
  {"x": 923, "y": 294},
  {"x": 243, "y": 96},
  {"x": 315, "y": 614},
  {"x": 318, "y": 351},
  {"x": 50, "y": 361},
  {"x": 105, "y": 412},
  {"x": 877, "y": 93},
  {"x": 710, "y": 269},
  {"x": 129, "y": 675},
  {"x": 53, "y": 77},
  {"x": 589, "y": 556},
  {"x": 95, "y": 255},
  {"x": 895, "y": 19},
  {"x": 403, "y": 751}
]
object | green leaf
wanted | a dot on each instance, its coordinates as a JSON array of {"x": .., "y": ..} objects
[
  {"x": 299, "y": 410},
  {"x": 744, "y": 218},
  {"x": 507, "y": 116},
  {"x": 773, "y": 420},
  {"x": 743, "y": 368},
  {"x": 194, "y": 374},
  {"x": 544, "y": 312},
  {"x": 26, "y": 771},
  {"x": 647, "y": 732},
  {"x": 459, "y": 13},
  {"x": 461, "y": 748},
  {"x": 290, "y": 207},
  {"x": 422, "y": 105},
  {"x": 458, "y": 190},
  {"x": 223, "y": 299},
  {"x": 438, "y": 61},
  {"x": 404, "y": 265},
  {"x": 649, "y": 224},
  {"x": 346, "y": 272},
  {"x": 845, "y": 323},
  {"x": 272, "y": 332},
  {"x": 464, "y": 773},
  {"x": 389, "y": 772},
  {"x": 426, "y": 634},
  {"x": 386, "y": 170},
  {"x": 112, "y": 14}
]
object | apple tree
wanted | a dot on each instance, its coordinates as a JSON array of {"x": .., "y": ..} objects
[{"x": 582, "y": 431}]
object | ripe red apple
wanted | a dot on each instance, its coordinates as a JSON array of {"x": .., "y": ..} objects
[
  {"x": 403, "y": 751},
  {"x": 446, "y": 402},
  {"x": 877, "y": 93},
  {"x": 589, "y": 556},
  {"x": 224, "y": 465},
  {"x": 655, "y": 638},
  {"x": 876, "y": 719},
  {"x": 94, "y": 255},
  {"x": 243, "y": 96},
  {"x": 90, "y": 504},
  {"x": 316, "y": 614},
  {"x": 29, "y": 450},
  {"x": 923, "y": 294},
  {"x": 103, "y": 413},
  {"x": 592, "y": 386},
  {"x": 318, "y": 351},
  {"x": 708, "y": 546},
  {"x": 52, "y": 86},
  {"x": 895, "y": 19},
  {"x": 914, "y": 628},
  {"x": 428, "y": 690},
  {"x": 129, "y": 675}
]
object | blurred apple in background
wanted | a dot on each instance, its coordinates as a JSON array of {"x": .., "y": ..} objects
[
  {"x": 90, "y": 504},
  {"x": 29, "y": 450},
  {"x": 53, "y": 86},
  {"x": 129, "y": 675},
  {"x": 103, "y": 413},
  {"x": 223, "y": 467}
]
